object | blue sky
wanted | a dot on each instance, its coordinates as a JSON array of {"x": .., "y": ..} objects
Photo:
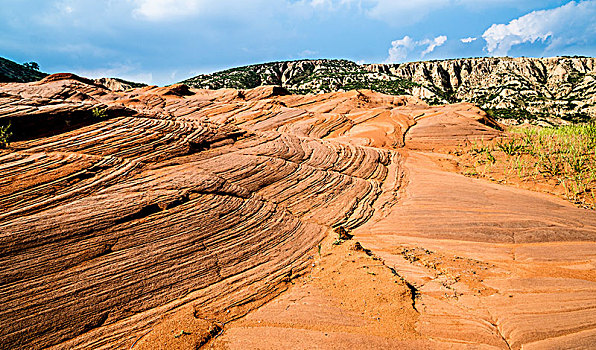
[{"x": 165, "y": 41}]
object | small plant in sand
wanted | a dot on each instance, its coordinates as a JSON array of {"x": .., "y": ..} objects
[
  {"x": 510, "y": 147},
  {"x": 5, "y": 135},
  {"x": 182, "y": 332},
  {"x": 480, "y": 148},
  {"x": 99, "y": 113},
  {"x": 489, "y": 156}
]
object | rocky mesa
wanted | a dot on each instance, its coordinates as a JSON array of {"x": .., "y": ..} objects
[{"x": 509, "y": 88}]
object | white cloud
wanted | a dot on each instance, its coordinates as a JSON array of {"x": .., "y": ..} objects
[
  {"x": 307, "y": 53},
  {"x": 403, "y": 12},
  {"x": 467, "y": 40},
  {"x": 569, "y": 24},
  {"x": 64, "y": 7},
  {"x": 326, "y": 3},
  {"x": 401, "y": 49},
  {"x": 331, "y": 4},
  {"x": 166, "y": 9},
  {"x": 433, "y": 44}
]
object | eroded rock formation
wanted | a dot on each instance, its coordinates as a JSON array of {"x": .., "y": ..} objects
[
  {"x": 123, "y": 212},
  {"x": 174, "y": 196},
  {"x": 515, "y": 88}
]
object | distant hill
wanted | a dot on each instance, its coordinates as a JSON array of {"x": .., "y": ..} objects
[
  {"x": 13, "y": 72},
  {"x": 515, "y": 88},
  {"x": 305, "y": 76}
]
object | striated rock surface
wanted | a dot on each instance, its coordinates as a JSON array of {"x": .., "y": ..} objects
[
  {"x": 159, "y": 216},
  {"x": 173, "y": 198},
  {"x": 519, "y": 88}
]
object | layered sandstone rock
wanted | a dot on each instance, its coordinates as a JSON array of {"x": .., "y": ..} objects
[
  {"x": 173, "y": 198},
  {"x": 158, "y": 216}
]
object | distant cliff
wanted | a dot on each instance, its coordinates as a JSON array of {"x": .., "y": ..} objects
[
  {"x": 519, "y": 88},
  {"x": 559, "y": 86}
]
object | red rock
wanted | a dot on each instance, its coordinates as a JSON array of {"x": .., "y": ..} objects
[
  {"x": 190, "y": 208},
  {"x": 66, "y": 76}
]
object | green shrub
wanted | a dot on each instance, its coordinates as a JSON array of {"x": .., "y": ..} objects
[
  {"x": 511, "y": 147},
  {"x": 31, "y": 65},
  {"x": 5, "y": 135},
  {"x": 99, "y": 113}
]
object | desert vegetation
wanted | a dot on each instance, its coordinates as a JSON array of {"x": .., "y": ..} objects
[
  {"x": 560, "y": 160},
  {"x": 99, "y": 113},
  {"x": 5, "y": 135}
]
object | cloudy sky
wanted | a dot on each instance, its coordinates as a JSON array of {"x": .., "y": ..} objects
[{"x": 165, "y": 41}]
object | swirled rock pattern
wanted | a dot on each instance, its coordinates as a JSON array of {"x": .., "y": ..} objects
[
  {"x": 128, "y": 214},
  {"x": 169, "y": 197}
]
